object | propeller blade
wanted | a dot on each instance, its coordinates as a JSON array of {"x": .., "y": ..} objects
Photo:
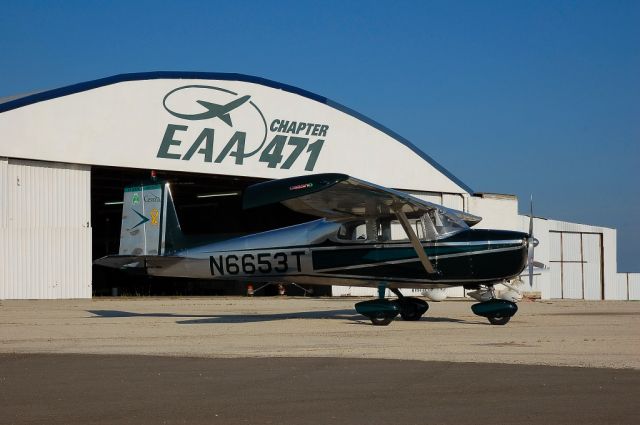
[
  {"x": 530, "y": 255},
  {"x": 531, "y": 217},
  {"x": 531, "y": 242}
]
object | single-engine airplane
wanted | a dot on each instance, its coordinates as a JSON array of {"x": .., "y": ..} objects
[{"x": 366, "y": 235}]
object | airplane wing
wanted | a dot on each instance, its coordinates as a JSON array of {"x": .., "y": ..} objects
[
  {"x": 219, "y": 111},
  {"x": 339, "y": 196},
  {"x": 213, "y": 107}
]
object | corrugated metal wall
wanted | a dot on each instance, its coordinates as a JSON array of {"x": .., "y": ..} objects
[
  {"x": 576, "y": 265},
  {"x": 592, "y": 266},
  {"x": 571, "y": 266},
  {"x": 45, "y": 230},
  {"x": 633, "y": 285},
  {"x": 555, "y": 265},
  {"x": 619, "y": 291},
  {"x": 627, "y": 287}
]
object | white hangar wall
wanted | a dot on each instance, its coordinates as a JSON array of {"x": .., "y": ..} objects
[{"x": 45, "y": 233}]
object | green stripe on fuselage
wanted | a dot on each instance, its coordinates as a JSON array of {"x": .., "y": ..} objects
[{"x": 346, "y": 257}]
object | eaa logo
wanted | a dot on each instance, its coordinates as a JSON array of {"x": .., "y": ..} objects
[{"x": 213, "y": 123}]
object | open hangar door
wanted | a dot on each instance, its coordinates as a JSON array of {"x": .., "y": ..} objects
[
  {"x": 576, "y": 264},
  {"x": 208, "y": 207}
]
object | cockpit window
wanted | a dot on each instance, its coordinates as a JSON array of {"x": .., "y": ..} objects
[
  {"x": 432, "y": 225},
  {"x": 352, "y": 231}
]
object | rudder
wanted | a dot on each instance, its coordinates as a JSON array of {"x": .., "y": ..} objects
[{"x": 150, "y": 224}]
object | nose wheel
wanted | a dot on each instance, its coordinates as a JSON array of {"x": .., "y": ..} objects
[
  {"x": 381, "y": 319},
  {"x": 498, "y": 319},
  {"x": 497, "y": 311}
]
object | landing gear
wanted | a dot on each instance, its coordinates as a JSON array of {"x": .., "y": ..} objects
[
  {"x": 497, "y": 311},
  {"x": 381, "y": 319},
  {"x": 381, "y": 312},
  {"x": 497, "y": 319},
  {"x": 411, "y": 309}
]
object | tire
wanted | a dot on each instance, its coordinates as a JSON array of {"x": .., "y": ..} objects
[
  {"x": 381, "y": 319},
  {"x": 499, "y": 320}
]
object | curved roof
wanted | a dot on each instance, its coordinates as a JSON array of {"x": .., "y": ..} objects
[
  {"x": 14, "y": 102},
  {"x": 11, "y": 103}
]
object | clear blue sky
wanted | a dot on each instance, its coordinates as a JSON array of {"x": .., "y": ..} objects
[{"x": 512, "y": 97}]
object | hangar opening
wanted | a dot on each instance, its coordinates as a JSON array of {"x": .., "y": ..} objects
[{"x": 209, "y": 207}]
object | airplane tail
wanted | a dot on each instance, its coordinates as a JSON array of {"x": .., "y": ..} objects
[{"x": 150, "y": 224}]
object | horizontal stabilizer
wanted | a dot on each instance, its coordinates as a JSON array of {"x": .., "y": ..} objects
[{"x": 137, "y": 262}]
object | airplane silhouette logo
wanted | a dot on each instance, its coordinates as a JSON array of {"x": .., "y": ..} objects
[{"x": 214, "y": 110}]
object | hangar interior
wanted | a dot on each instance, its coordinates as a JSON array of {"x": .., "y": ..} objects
[{"x": 208, "y": 206}]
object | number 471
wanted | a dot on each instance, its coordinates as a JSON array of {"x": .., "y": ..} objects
[{"x": 272, "y": 153}]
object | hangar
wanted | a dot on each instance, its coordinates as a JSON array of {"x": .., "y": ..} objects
[{"x": 67, "y": 154}]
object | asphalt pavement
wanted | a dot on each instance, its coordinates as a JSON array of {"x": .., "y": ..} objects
[{"x": 125, "y": 389}]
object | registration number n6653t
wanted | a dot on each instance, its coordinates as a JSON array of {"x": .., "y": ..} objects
[{"x": 256, "y": 263}]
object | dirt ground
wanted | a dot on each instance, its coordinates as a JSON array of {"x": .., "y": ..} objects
[{"x": 562, "y": 333}]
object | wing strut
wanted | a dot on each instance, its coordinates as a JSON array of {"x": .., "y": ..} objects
[{"x": 417, "y": 246}]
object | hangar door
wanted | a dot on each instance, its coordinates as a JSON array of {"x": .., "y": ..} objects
[
  {"x": 576, "y": 265},
  {"x": 45, "y": 230}
]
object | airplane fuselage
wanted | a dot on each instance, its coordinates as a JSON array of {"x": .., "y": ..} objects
[{"x": 311, "y": 254}]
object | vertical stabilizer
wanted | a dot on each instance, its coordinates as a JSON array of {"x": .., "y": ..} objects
[{"x": 149, "y": 221}]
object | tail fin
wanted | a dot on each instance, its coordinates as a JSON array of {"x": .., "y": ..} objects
[{"x": 150, "y": 224}]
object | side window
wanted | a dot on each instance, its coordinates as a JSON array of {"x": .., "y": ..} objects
[
  {"x": 430, "y": 226},
  {"x": 398, "y": 233},
  {"x": 352, "y": 231},
  {"x": 363, "y": 231}
]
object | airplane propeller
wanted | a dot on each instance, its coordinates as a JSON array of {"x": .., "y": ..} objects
[
  {"x": 531, "y": 244},
  {"x": 516, "y": 287}
]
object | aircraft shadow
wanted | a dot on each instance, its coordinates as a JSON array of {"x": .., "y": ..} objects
[
  {"x": 443, "y": 319},
  {"x": 195, "y": 319},
  {"x": 235, "y": 318}
]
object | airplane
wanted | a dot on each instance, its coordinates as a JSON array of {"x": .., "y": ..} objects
[
  {"x": 365, "y": 235},
  {"x": 215, "y": 110}
]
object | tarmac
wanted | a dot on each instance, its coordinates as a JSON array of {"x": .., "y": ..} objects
[{"x": 303, "y": 360}]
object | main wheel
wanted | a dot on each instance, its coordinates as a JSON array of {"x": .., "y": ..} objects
[
  {"x": 412, "y": 309},
  {"x": 381, "y": 319},
  {"x": 498, "y": 320}
]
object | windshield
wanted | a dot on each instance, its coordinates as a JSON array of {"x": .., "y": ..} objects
[{"x": 438, "y": 225}]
